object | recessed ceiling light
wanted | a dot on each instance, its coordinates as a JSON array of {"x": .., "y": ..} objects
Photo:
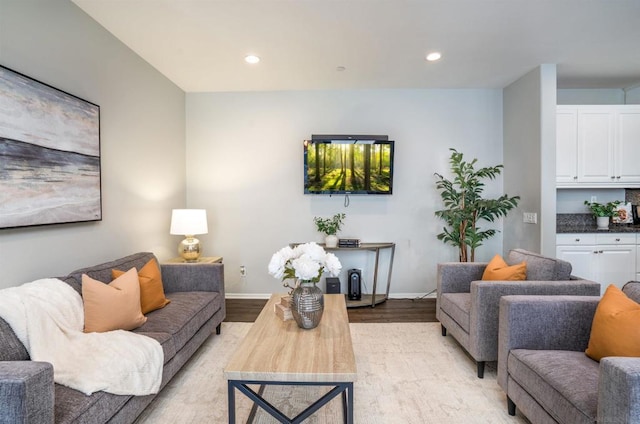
[
  {"x": 252, "y": 59},
  {"x": 431, "y": 57}
]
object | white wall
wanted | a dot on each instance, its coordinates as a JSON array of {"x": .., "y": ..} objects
[
  {"x": 632, "y": 96},
  {"x": 604, "y": 96},
  {"x": 529, "y": 150},
  {"x": 590, "y": 96},
  {"x": 142, "y": 140},
  {"x": 244, "y": 155}
]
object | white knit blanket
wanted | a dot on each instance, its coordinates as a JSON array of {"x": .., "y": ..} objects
[{"x": 48, "y": 317}]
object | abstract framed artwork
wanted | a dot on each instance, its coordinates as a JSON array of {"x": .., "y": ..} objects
[{"x": 49, "y": 154}]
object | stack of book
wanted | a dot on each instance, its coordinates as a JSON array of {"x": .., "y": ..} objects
[
  {"x": 283, "y": 309},
  {"x": 348, "y": 242}
]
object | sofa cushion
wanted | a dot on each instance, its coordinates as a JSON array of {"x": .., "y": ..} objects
[
  {"x": 102, "y": 272},
  {"x": 632, "y": 290},
  {"x": 168, "y": 347},
  {"x": 457, "y": 306},
  {"x": 498, "y": 270},
  {"x": 151, "y": 291},
  {"x": 565, "y": 383},
  {"x": 616, "y": 326},
  {"x": 183, "y": 317},
  {"x": 541, "y": 268},
  {"x": 73, "y": 406},
  {"x": 114, "y": 306},
  {"x": 12, "y": 348}
]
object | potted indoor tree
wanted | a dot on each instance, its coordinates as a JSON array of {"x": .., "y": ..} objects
[
  {"x": 330, "y": 227},
  {"x": 603, "y": 212},
  {"x": 465, "y": 206}
]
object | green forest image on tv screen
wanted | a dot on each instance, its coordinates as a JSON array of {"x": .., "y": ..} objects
[{"x": 350, "y": 167}]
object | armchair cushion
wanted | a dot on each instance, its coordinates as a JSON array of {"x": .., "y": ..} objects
[
  {"x": 541, "y": 268},
  {"x": 457, "y": 306},
  {"x": 562, "y": 381},
  {"x": 498, "y": 270},
  {"x": 615, "y": 330}
]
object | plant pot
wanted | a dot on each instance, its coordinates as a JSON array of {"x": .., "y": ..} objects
[
  {"x": 602, "y": 222},
  {"x": 307, "y": 305},
  {"x": 331, "y": 240}
]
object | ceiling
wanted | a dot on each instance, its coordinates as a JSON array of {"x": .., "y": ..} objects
[{"x": 200, "y": 45}]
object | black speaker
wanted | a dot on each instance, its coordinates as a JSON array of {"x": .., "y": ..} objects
[
  {"x": 355, "y": 280},
  {"x": 333, "y": 285}
]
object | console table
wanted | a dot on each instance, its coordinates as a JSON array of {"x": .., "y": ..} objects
[{"x": 368, "y": 299}]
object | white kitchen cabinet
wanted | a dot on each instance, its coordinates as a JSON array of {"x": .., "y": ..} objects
[
  {"x": 628, "y": 147},
  {"x": 567, "y": 145},
  {"x": 598, "y": 146},
  {"x": 607, "y": 258}
]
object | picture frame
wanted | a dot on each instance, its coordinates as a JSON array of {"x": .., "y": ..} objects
[
  {"x": 624, "y": 214},
  {"x": 50, "y": 165}
]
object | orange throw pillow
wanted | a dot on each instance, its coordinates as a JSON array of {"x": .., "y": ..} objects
[
  {"x": 498, "y": 270},
  {"x": 151, "y": 289},
  {"x": 616, "y": 326},
  {"x": 114, "y": 306}
]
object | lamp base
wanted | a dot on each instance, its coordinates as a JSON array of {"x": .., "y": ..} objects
[{"x": 189, "y": 249}]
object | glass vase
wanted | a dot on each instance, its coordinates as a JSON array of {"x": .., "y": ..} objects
[{"x": 307, "y": 304}]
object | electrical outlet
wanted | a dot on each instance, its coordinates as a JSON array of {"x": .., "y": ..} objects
[
  {"x": 594, "y": 199},
  {"x": 530, "y": 218},
  {"x": 243, "y": 271}
]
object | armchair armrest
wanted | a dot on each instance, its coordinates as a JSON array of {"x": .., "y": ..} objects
[
  {"x": 183, "y": 277},
  {"x": 485, "y": 306},
  {"x": 543, "y": 323},
  {"x": 456, "y": 277},
  {"x": 618, "y": 389},
  {"x": 26, "y": 392}
]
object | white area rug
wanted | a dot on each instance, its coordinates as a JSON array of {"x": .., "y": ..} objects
[{"x": 407, "y": 373}]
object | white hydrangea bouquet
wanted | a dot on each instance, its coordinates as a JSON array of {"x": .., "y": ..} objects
[{"x": 305, "y": 262}]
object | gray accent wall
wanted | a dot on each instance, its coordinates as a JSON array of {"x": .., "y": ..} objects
[
  {"x": 142, "y": 140},
  {"x": 529, "y": 159}
]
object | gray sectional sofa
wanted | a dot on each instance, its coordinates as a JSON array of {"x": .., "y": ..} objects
[
  {"x": 28, "y": 393},
  {"x": 543, "y": 368}
]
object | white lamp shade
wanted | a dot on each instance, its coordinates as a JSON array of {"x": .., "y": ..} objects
[{"x": 188, "y": 222}]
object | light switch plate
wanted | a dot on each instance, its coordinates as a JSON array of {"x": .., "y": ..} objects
[{"x": 530, "y": 218}]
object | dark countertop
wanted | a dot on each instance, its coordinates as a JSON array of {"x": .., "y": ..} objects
[
  {"x": 590, "y": 228},
  {"x": 586, "y": 223}
]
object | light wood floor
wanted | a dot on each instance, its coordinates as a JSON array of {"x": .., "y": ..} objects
[{"x": 393, "y": 310}]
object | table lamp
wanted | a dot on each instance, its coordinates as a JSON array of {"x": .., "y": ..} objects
[{"x": 189, "y": 222}]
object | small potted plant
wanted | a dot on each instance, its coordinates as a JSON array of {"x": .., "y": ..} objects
[
  {"x": 602, "y": 212},
  {"x": 330, "y": 227}
]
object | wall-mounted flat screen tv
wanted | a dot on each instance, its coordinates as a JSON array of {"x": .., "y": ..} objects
[{"x": 348, "y": 165}]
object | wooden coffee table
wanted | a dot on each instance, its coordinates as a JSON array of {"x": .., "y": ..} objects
[{"x": 277, "y": 352}]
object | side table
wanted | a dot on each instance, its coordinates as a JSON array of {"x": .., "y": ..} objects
[
  {"x": 201, "y": 260},
  {"x": 368, "y": 299}
]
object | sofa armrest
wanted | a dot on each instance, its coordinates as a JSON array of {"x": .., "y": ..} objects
[
  {"x": 183, "y": 277},
  {"x": 618, "y": 390},
  {"x": 456, "y": 277},
  {"x": 26, "y": 392},
  {"x": 543, "y": 323}
]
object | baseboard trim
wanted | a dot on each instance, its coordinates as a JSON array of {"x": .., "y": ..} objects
[{"x": 268, "y": 295}]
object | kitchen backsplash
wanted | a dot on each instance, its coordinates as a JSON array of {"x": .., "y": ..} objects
[{"x": 632, "y": 196}]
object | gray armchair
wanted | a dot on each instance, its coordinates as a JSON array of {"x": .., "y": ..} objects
[
  {"x": 543, "y": 368},
  {"x": 468, "y": 307}
]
